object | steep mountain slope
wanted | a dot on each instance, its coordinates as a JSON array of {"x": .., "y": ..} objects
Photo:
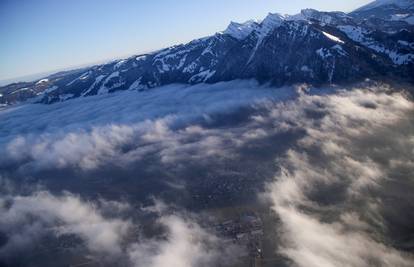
[
  {"x": 392, "y": 14},
  {"x": 313, "y": 47},
  {"x": 382, "y": 3}
]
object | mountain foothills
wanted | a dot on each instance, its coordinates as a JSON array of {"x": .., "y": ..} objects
[{"x": 375, "y": 41}]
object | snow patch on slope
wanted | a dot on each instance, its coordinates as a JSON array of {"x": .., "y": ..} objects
[
  {"x": 324, "y": 53},
  {"x": 333, "y": 38},
  {"x": 84, "y": 76},
  {"x": 139, "y": 58},
  {"x": 119, "y": 64},
  {"x": 97, "y": 81},
  {"x": 360, "y": 35},
  {"x": 104, "y": 88},
  {"x": 340, "y": 50},
  {"x": 21, "y": 90},
  {"x": 42, "y": 81},
  {"x": 49, "y": 90},
  {"x": 137, "y": 85},
  {"x": 190, "y": 68},
  {"x": 403, "y": 17},
  {"x": 202, "y": 76}
]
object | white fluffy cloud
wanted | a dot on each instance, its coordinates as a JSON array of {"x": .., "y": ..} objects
[
  {"x": 328, "y": 193},
  {"x": 25, "y": 219},
  {"x": 87, "y": 133},
  {"x": 185, "y": 245}
]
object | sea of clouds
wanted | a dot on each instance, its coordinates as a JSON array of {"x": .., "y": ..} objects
[{"x": 341, "y": 195}]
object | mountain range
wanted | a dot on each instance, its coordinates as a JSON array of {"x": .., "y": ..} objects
[{"x": 375, "y": 41}]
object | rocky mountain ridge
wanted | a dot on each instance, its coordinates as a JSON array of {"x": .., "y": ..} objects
[{"x": 311, "y": 47}]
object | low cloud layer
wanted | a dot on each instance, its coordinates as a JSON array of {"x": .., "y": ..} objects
[
  {"x": 335, "y": 191},
  {"x": 108, "y": 238},
  {"x": 342, "y": 192},
  {"x": 89, "y": 132}
]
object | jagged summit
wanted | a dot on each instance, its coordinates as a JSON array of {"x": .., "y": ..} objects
[
  {"x": 271, "y": 21},
  {"x": 241, "y": 30}
]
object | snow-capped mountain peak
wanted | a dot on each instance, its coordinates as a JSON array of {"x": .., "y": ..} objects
[
  {"x": 241, "y": 30},
  {"x": 273, "y": 18},
  {"x": 271, "y": 21}
]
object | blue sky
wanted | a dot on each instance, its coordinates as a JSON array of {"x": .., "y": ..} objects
[{"x": 43, "y": 35}]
